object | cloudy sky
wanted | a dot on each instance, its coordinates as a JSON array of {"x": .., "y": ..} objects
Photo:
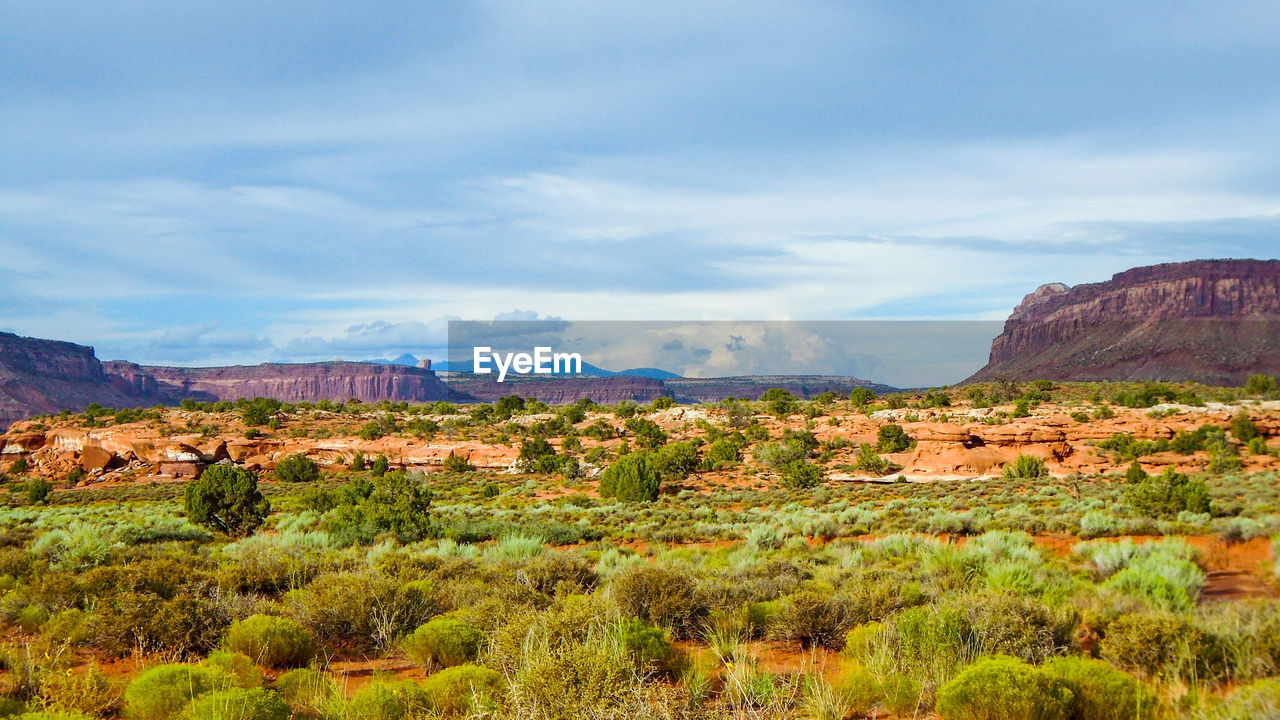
[{"x": 206, "y": 183}]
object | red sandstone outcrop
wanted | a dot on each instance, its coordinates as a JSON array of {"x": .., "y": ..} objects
[{"x": 1211, "y": 321}]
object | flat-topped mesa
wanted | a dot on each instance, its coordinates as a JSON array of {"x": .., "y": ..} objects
[
  {"x": 48, "y": 376},
  {"x": 1212, "y": 321},
  {"x": 293, "y": 382},
  {"x": 44, "y": 376}
]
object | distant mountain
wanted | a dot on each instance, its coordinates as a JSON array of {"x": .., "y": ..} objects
[
  {"x": 1209, "y": 321},
  {"x": 588, "y": 370},
  {"x": 405, "y": 359}
]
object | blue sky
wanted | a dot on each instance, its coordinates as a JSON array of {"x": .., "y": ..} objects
[{"x": 206, "y": 183}]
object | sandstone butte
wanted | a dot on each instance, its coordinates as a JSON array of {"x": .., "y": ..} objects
[{"x": 1209, "y": 321}]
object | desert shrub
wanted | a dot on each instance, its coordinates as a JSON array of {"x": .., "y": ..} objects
[
  {"x": 779, "y": 402},
  {"x": 444, "y": 642},
  {"x": 1024, "y": 628},
  {"x": 927, "y": 645},
  {"x": 892, "y": 438},
  {"x": 259, "y": 411},
  {"x": 861, "y": 396},
  {"x": 549, "y": 570},
  {"x": 724, "y": 452},
  {"x": 870, "y": 461},
  {"x": 271, "y": 641},
  {"x": 1242, "y": 427},
  {"x": 1026, "y": 467},
  {"x": 1223, "y": 456},
  {"x": 631, "y": 478},
  {"x": 366, "y": 609},
  {"x": 1154, "y": 645},
  {"x": 455, "y": 463},
  {"x": 455, "y": 690},
  {"x": 648, "y": 645},
  {"x": 532, "y": 452},
  {"x": 238, "y": 667},
  {"x": 1003, "y": 688},
  {"x": 1259, "y": 700},
  {"x": 1168, "y": 582},
  {"x": 779, "y": 454},
  {"x": 814, "y": 616},
  {"x": 357, "y": 462},
  {"x": 647, "y": 432},
  {"x": 397, "y": 504},
  {"x": 163, "y": 691},
  {"x": 226, "y": 498},
  {"x": 388, "y": 700},
  {"x": 238, "y": 704},
  {"x": 1101, "y": 691},
  {"x": 38, "y": 489},
  {"x": 380, "y": 466},
  {"x": 90, "y": 692},
  {"x": 676, "y": 461},
  {"x": 1168, "y": 494},
  {"x": 659, "y": 595},
  {"x": 308, "y": 691},
  {"x": 297, "y": 468},
  {"x": 589, "y": 677},
  {"x": 801, "y": 474}
]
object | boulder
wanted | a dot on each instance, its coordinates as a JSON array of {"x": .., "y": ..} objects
[
  {"x": 188, "y": 470},
  {"x": 93, "y": 457}
]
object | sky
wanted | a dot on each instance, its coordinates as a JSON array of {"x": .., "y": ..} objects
[{"x": 238, "y": 182}]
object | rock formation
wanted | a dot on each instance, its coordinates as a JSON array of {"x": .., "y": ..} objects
[
  {"x": 1210, "y": 321},
  {"x": 48, "y": 376},
  {"x": 287, "y": 382}
]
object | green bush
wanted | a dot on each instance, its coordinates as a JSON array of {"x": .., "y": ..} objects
[
  {"x": 1101, "y": 691},
  {"x": 307, "y": 691},
  {"x": 860, "y": 396},
  {"x": 238, "y": 704},
  {"x": 163, "y": 691},
  {"x": 892, "y": 438},
  {"x": 444, "y": 642},
  {"x": 455, "y": 463},
  {"x": 676, "y": 461},
  {"x": 801, "y": 474},
  {"x": 455, "y": 690},
  {"x": 1002, "y": 688},
  {"x": 814, "y": 616},
  {"x": 1259, "y": 700},
  {"x": 1163, "y": 645},
  {"x": 659, "y": 595},
  {"x": 1260, "y": 384},
  {"x": 271, "y": 641},
  {"x": 387, "y": 700},
  {"x": 648, "y": 645},
  {"x": 1026, "y": 467},
  {"x": 631, "y": 478},
  {"x": 238, "y": 667},
  {"x": 226, "y": 498},
  {"x": 90, "y": 692},
  {"x": 1168, "y": 494},
  {"x": 38, "y": 490},
  {"x": 297, "y": 468}
]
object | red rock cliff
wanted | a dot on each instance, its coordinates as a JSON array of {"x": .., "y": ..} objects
[
  {"x": 1212, "y": 321},
  {"x": 45, "y": 376},
  {"x": 289, "y": 382}
]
